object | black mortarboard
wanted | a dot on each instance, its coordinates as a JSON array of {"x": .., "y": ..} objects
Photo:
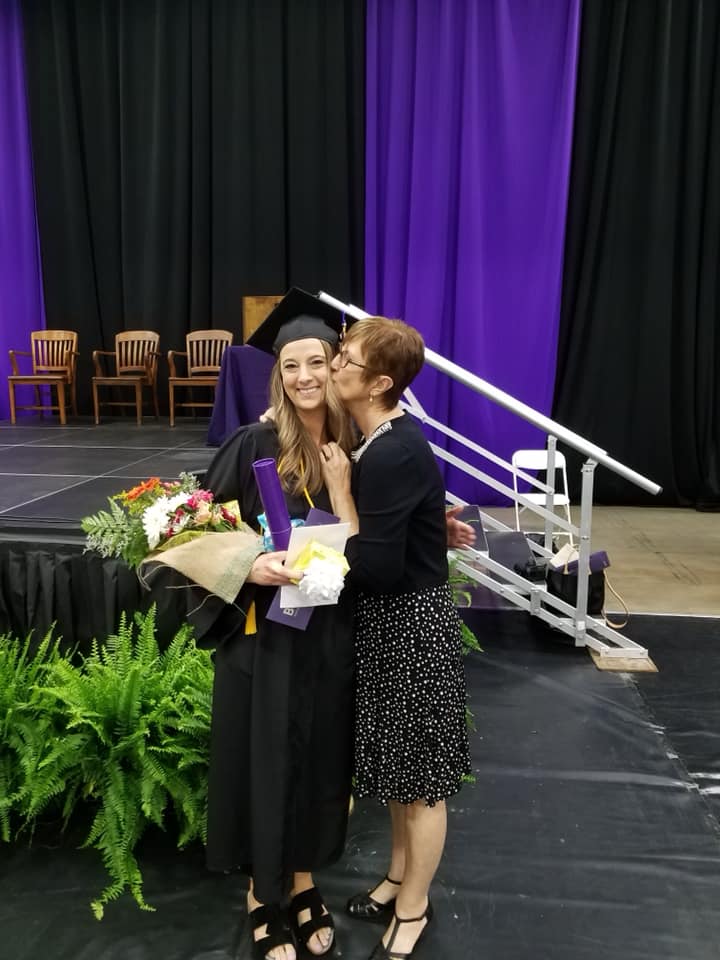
[{"x": 298, "y": 316}]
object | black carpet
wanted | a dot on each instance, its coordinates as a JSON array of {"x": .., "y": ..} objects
[{"x": 591, "y": 831}]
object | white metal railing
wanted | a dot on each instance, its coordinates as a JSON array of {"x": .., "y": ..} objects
[{"x": 479, "y": 566}]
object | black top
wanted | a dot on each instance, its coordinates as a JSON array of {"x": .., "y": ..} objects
[
  {"x": 400, "y": 498},
  {"x": 230, "y": 475}
]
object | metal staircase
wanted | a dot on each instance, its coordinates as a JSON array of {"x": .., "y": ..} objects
[{"x": 528, "y": 595}]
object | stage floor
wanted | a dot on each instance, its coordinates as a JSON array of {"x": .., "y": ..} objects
[{"x": 52, "y": 476}]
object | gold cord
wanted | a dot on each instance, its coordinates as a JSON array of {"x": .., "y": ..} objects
[{"x": 302, "y": 474}]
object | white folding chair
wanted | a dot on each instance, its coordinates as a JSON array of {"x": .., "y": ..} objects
[{"x": 532, "y": 460}]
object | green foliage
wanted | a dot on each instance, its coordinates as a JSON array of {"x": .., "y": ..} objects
[
  {"x": 469, "y": 640},
  {"x": 459, "y": 582},
  {"x": 127, "y": 731},
  {"x": 25, "y": 726},
  {"x": 114, "y": 533}
]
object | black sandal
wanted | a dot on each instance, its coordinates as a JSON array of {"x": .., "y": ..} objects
[
  {"x": 319, "y": 920},
  {"x": 382, "y": 952},
  {"x": 363, "y": 906},
  {"x": 278, "y": 933}
]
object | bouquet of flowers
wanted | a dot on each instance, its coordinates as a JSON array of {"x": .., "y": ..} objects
[
  {"x": 165, "y": 523},
  {"x": 154, "y": 516}
]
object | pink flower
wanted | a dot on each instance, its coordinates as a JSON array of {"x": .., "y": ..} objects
[{"x": 202, "y": 513}]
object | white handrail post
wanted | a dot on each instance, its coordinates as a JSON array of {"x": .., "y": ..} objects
[
  {"x": 550, "y": 492},
  {"x": 583, "y": 567}
]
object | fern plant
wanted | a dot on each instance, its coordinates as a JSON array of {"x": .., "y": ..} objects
[
  {"x": 139, "y": 722},
  {"x": 26, "y": 728},
  {"x": 112, "y": 533},
  {"x": 459, "y": 584}
]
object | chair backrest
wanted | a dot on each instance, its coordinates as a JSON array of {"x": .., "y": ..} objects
[
  {"x": 536, "y": 460},
  {"x": 52, "y": 351},
  {"x": 205, "y": 349},
  {"x": 132, "y": 348},
  {"x": 531, "y": 460}
]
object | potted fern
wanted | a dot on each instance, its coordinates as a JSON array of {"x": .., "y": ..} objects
[{"x": 138, "y": 723}]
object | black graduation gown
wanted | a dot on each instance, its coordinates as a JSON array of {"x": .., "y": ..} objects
[{"x": 281, "y": 744}]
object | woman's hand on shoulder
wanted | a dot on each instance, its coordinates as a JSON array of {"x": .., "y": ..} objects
[
  {"x": 268, "y": 571},
  {"x": 335, "y": 467},
  {"x": 336, "y": 474}
]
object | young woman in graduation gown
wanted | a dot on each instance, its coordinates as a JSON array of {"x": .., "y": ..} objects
[{"x": 280, "y": 768}]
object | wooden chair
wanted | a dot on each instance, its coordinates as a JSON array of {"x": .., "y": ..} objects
[
  {"x": 136, "y": 362},
  {"x": 203, "y": 356},
  {"x": 54, "y": 356}
]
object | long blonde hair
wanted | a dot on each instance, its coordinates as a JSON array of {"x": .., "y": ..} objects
[{"x": 299, "y": 464}]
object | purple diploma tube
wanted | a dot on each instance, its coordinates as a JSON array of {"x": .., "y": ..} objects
[{"x": 273, "y": 501}]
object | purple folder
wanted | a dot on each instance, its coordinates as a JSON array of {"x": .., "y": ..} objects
[{"x": 299, "y": 617}]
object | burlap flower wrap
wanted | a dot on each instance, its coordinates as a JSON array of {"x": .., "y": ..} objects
[{"x": 219, "y": 562}]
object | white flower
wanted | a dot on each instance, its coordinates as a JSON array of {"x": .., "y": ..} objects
[
  {"x": 156, "y": 517},
  {"x": 323, "y": 581}
]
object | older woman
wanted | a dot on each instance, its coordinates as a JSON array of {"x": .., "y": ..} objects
[
  {"x": 280, "y": 766},
  {"x": 411, "y": 748}
]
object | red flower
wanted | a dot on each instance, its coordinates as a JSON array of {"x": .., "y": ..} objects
[{"x": 228, "y": 517}]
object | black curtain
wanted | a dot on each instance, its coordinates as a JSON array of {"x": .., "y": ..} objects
[
  {"x": 639, "y": 349},
  {"x": 190, "y": 152}
]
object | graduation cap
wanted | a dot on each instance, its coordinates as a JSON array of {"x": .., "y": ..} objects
[{"x": 299, "y": 316}]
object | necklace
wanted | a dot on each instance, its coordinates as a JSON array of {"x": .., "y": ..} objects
[{"x": 377, "y": 432}]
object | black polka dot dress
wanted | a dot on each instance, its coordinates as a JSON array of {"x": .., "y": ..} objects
[{"x": 410, "y": 731}]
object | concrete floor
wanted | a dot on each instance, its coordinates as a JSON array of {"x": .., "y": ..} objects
[{"x": 663, "y": 560}]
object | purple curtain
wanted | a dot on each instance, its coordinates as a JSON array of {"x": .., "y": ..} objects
[
  {"x": 469, "y": 130},
  {"x": 21, "y": 296}
]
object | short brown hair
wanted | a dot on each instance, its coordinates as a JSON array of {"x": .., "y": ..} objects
[{"x": 392, "y": 348}]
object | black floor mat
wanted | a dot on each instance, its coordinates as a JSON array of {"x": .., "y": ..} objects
[{"x": 584, "y": 837}]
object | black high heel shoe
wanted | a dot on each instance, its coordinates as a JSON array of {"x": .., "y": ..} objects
[
  {"x": 382, "y": 952},
  {"x": 363, "y": 906}
]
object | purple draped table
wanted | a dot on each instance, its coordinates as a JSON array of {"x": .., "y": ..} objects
[{"x": 241, "y": 394}]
